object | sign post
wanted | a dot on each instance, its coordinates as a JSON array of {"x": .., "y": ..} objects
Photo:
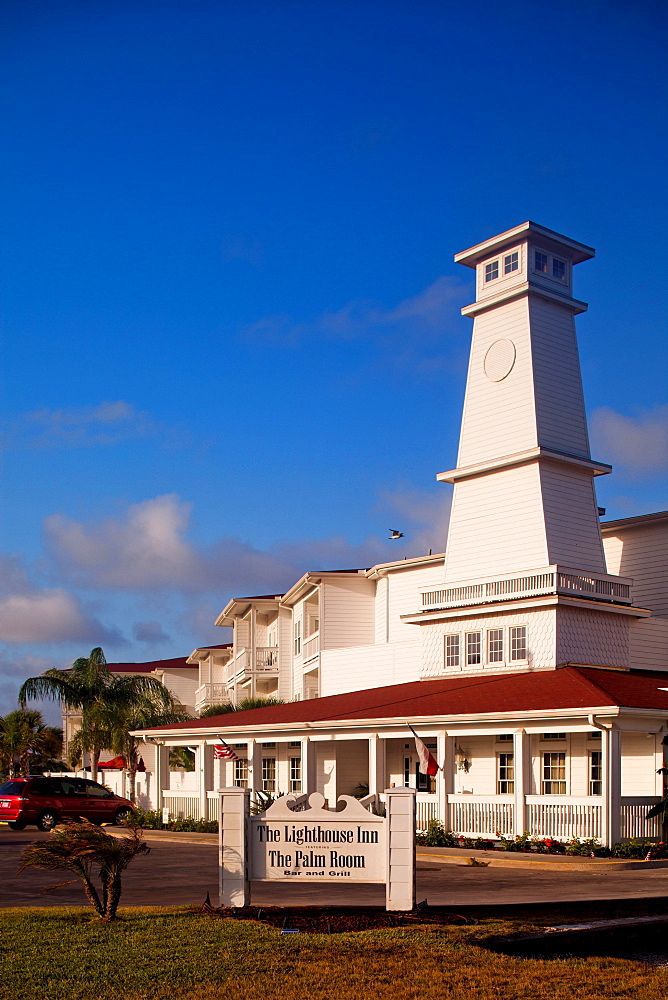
[{"x": 312, "y": 844}]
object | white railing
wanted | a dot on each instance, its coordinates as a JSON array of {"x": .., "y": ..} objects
[
  {"x": 266, "y": 658},
  {"x": 633, "y": 822},
  {"x": 535, "y": 583},
  {"x": 563, "y": 819},
  {"x": 182, "y": 805},
  {"x": 312, "y": 646},
  {"x": 237, "y": 667},
  {"x": 475, "y": 816},
  {"x": 213, "y": 805},
  {"x": 425, "y": 812},
  {"x": 210, "y": 694}
]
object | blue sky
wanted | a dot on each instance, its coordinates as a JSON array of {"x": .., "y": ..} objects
[{"x": 232, "y": 342}]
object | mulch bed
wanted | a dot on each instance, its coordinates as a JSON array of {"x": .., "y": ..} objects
[{"x": 336, "y": 920}]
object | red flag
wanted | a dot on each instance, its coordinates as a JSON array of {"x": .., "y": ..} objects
[
  {"x": 222, "y": 751},
  {"x": 428, "y": 763}
]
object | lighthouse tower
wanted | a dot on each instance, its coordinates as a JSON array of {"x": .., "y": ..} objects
[{"x": 525, "y": 583}]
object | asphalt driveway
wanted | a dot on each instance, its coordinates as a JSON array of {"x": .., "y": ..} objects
[{"x": 177, "y": 872}]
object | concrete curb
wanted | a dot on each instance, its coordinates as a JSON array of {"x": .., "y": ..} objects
[
  {"x": 456, "y": 855},
  {"x": 548, "y": 862}
]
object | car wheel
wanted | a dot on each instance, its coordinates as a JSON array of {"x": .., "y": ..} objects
[
  {"x": 122, "y": 816},
  {"x": 16, "y": 824},
  {"x": 46, "y": 820}
]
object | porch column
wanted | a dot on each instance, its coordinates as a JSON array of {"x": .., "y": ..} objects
[
  {"x": 309, "y": 773},
  {"x": 445, "y": 780},
  {"x": 377, "y": 780},
  {"x": 612, "y": 772},
  {"x": 161, "y": 773},
  {"x": 205, "y": 777},
  {"x": 254, "y": 767},
  {"x": 522, "y": 768}
]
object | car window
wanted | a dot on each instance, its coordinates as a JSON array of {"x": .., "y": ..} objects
[
  {"x": 95, "y": 791},
  {"x": 13, "y": 788},
  {"x": 41, "y": 787},
  {"x": 73, "y": 787}
]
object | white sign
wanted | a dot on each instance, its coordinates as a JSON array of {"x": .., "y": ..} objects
[
  {"x": 298, "y": 840},
  {"x": 317, "y": 845}
]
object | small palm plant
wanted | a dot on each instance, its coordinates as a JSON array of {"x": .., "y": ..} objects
[{"x": 87, "y": 851}]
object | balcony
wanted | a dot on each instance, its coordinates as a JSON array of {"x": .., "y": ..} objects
[
  {"x": 311, "y": 647},
  {"x": 535, "y": 583},
  {"x": 210, "y": 694}
]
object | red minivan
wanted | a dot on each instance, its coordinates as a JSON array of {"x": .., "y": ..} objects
[{"x": 45, "y": 801}]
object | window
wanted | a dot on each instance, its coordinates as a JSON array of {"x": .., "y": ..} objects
[
  {"x": 424, "y": 782},
  {"x": 473, "y": 648},
  {"x": 518, "y": 642},
  {"x": 298, "y": 637},
  {"x": 492, "y": 271},
  {"x": 540, "y": 262},
  {"x": 558, "y": 269},
  {"x": 596, "y": 772},
  {"x": 241, "y": 773},
  {"x": 596, "y": 735},
  {"x": 511, "y": 263},
  {"x": 268, "y": 774},
  {"x": 452, "y": 650},
  {"x": 495, "y": 645},
  {"x": 554, "y": 774},
  {"x": 268, "y": 746},
  {"x": 295, "y": 774},
  {"x": 407, "y": 772},
  {"x": 505, "y": 737},
  {"x": 506, "y": 782},
  {"x": 554, "y": 736},
  {"x": 295, "y": 743}
]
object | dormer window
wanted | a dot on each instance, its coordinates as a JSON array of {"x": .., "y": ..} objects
[
  {"x": 511, "y": 262},
  {"x": 540, "y": 262},
  {"x": 558, "y": 269},
  {"x": 492, "y": 270}
]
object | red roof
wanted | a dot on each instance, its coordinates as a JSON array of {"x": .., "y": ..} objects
[
  {"x": 179, "y": 663},
  {"x": 561, "y": 689}
]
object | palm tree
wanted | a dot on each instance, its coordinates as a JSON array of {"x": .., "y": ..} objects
[
  {"x": 90, "y": 687},
  {"x": 27, "y": 744},
  {"x": 243, "y": 706},
  {"x": 148, "y": 709},
  {"x": 81, "y": 847}
]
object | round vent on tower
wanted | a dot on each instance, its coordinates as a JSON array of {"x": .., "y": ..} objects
[{"x": 499, "y": 360}]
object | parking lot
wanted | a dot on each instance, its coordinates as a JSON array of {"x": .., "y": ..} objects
[{"x": 181, "y": 873}]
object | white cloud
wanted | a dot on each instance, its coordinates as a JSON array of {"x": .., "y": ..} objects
[
  {"x": 47, "y": 616},
  {"x": 423, "y": 517},
  {"x": 106, "y": 424},
  {"x": 407, "y": 333},
  {"x": 145, "y": 549},
  {"x": 148, "y": 549},
  {"x": 13, "y": 671},
  {"x": 639, "y": 444}
]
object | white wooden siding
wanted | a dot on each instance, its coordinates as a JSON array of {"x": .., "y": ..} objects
[
  {"x": 642, "y": 554},
  {"x": 571, "y": 518},
  {"x": 496, "y": 525},
  {"x": 346, "y": 609},
  {"x": 352, "y": 766},
  {"x": 560, "y": 412},
  {"x": 597, "y": 637},
  {"x": 638, "y": 764},
  {"x": 541, "y": 640},
  {"x": 404, "y": 597},
  {"x": 499, "y": 417},
  {"x": 648, "y": 644},
  {"x": 359, "y": 667}
]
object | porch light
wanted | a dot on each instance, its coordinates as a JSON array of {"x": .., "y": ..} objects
[{"x": 462, "y": 761}]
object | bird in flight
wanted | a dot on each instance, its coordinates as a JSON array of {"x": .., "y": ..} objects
[{"x": 395, "y": 534}]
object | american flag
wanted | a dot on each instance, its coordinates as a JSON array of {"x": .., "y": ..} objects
[{"x": 222, "y": 751}]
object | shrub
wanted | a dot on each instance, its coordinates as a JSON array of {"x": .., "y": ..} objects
[
  {"x": 152, "y": 820},
  {"x": 436, "y": 836},
  {"x": 639, "y": 849},
  {"x": 521, "y": 842}
]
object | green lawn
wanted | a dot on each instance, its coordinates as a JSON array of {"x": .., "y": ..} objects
[{"x": 156, "y": 953}]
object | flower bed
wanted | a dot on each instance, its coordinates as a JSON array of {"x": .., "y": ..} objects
[{"x": 437, "y": 836}]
